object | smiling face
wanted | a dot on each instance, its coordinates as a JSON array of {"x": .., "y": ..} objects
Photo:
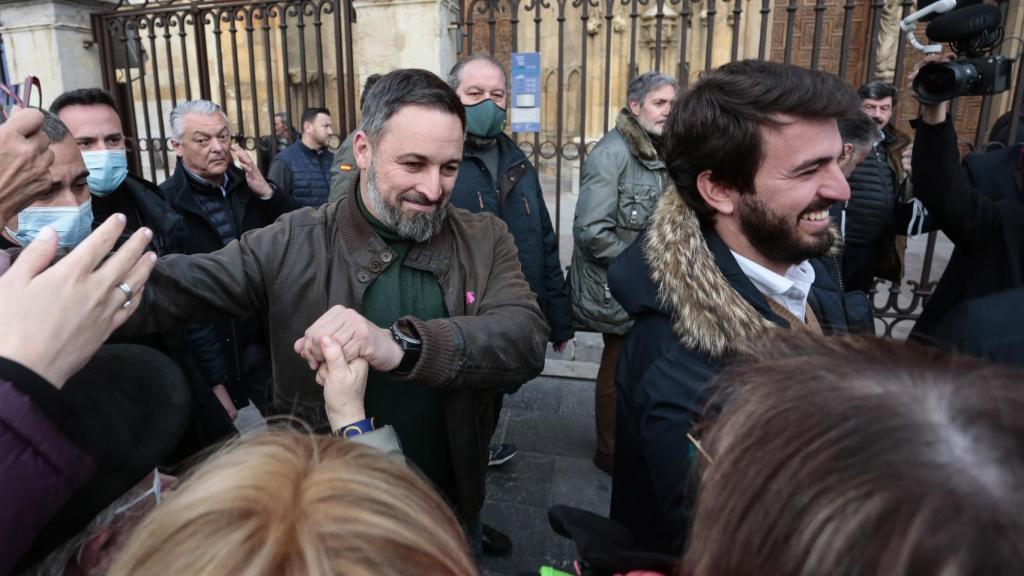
[
  {"x": 785, "y": 220},
  {"x": 409, "y": 174},
  {"x": 205, "y": 146}
]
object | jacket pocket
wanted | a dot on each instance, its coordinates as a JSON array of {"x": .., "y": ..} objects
[{"x": 636, "y": 203}]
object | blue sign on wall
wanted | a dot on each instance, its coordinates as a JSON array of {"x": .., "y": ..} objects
[{"x": 525, "y": 92}]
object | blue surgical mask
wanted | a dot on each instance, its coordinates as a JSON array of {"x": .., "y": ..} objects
[
  {"x": 72, "y": 223},
  {"x": 107, "y": 170}
]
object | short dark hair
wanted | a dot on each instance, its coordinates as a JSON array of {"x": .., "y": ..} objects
[
  {"x": 858, "y": 129},
  {"x": 406, "y": 87},
  {"x": 877, "y": 90},
  {"x": 310, "y": 114},
  {"x": 370, "y": 81},
  {"x": 82, "y": 97},
  {"x": 893, "y": 459},
  {"x": 55, "y": 130},
  {"x": 717, "y": 124}
]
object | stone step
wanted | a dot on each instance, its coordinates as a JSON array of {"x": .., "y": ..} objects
[{"x": 580, "y": 358}]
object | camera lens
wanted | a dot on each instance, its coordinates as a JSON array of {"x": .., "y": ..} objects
[{"x": 942, "y": 81}]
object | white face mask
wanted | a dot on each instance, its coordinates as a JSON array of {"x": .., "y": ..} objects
[
  {"x": 107, "y": 170},
  {"x": 72, "y": 223}
]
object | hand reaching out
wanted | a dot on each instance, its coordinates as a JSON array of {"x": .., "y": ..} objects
[{"x": 344, "y": 384}]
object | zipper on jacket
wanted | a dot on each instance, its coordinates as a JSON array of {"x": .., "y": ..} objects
[
  {"x": 842, "y": 292},
  {"x": 527, "y": 204}
]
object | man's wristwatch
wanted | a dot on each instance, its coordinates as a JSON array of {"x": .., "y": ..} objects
[{"x": 403, "y": 332}]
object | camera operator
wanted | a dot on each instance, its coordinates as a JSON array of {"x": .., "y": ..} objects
[{"x": 988, "y": 233}]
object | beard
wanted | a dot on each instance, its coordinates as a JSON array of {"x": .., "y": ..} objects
[
  {"x": 777, "y": 238},
  {"x": 419, "y": 226}
]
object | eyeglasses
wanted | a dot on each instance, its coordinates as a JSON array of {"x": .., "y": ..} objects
[{"x": 22, "y": 101}]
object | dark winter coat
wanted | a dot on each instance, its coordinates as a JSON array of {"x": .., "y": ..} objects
[
  {"x": 230, "y": 365},
  {"x": 303, "y": 173},
  {"x": 694, "y": 309},
  {"x": 310, "y": 260},
  {"x": 988, "y": 327},
  {"x": 519, "y": 202},
  {"x": 39, "y": 466},
  {"x": 876, "y": 187},
  {"x": 143, "y": 204},
  {"x": 621, "y": 182},
  {"x": 988, "y": 234}
]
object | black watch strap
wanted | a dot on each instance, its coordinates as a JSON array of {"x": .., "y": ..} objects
[{"x": 405, "y": 335}]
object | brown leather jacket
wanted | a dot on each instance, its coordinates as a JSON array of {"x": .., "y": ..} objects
[{"x": 309, "y": 260}]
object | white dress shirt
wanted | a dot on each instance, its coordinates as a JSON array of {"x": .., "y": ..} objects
[{"x": 790, "y": 291}]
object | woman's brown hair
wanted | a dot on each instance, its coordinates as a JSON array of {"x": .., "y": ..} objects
[
  {"x": 859, "y": 456},
  {"x": 290, "y": 504}
]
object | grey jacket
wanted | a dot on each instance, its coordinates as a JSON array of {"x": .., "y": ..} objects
[
  {"x": 344, "y": 170},
  {"x": 621, "y": 183}
]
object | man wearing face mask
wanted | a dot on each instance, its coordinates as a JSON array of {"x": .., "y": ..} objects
[
  {"x": 66, "y": 206},
  {"x": 619, "y": 188},
  {"x": 90, "y": 115}
]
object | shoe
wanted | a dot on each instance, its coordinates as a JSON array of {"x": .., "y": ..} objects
[
  {"x": 496, "y": 544},
  {"x": 605, "y": 463},
  {"x": 501, "y": 453}
]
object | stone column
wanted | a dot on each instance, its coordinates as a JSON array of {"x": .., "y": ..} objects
[
  {"x": 393, "y": 34},
  {"x": 52, "y": 40}
]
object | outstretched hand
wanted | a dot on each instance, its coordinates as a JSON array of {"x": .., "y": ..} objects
[
  {"x": 55, "y": 317},
  {"x": 357, "y": 336},
  {"x": 25, "y": 161}
]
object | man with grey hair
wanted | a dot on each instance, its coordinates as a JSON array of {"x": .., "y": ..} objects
[
  {"x": 619, "y": 188},
  {"x": 219, "y": 202},
  {"x": 432, "y": 297}
]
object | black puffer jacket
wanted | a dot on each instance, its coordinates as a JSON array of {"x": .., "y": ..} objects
[{"x": 875, "y": 188}]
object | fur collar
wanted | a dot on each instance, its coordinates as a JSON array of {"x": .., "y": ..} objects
[
  {"x": 708, "y": 315},
  {"x": 635, "y": 136}
]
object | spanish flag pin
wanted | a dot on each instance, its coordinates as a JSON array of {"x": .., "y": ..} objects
[{"x": 345, "y": 167}]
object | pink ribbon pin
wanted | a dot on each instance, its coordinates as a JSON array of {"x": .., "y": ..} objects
[{"x": 470, "y": 297}]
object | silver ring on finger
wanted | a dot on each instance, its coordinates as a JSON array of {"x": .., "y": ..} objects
[{"x": 124, "y": 287}]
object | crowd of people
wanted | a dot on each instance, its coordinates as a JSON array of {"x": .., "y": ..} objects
[{"x": 376, "y": 303}]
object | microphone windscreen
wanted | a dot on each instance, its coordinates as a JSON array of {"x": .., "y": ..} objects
[{"x": 964, "y": 23}]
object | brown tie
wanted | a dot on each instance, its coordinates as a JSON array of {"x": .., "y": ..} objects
[{"x": 794, "y": 322}]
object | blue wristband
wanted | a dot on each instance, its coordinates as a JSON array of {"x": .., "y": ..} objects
[{"x": 356, "y": 428}]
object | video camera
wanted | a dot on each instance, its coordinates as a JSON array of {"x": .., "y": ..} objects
[{"x": 972, "y": 30}]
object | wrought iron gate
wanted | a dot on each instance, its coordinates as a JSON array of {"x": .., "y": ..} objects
[
  {"x": 592, "y": 48},
  {"x": 255, "y": 59}
]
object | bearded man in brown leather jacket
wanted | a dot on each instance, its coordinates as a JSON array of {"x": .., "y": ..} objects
[{"x": 463, "y": 321}]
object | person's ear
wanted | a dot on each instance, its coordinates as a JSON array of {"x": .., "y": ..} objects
[
  {"x": 847, "y": 152},
  {"x": 720, "y": 198},
  {"x": 176, "y": 146},
  {"x": 634, "y": 107},
  {"x": 362, "y": 150},
  {"x": 97, "y": 554}
]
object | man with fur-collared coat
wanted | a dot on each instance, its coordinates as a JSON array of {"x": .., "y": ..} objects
[
  {"x": 739, "y": 246},
  {"x": 621, "y": 182}
]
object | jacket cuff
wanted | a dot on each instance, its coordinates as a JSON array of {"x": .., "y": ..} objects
[
  {"x": 440, "y": 352},
  {"x": 562, "y": 335},
  {"x": 44, "y": 395}
]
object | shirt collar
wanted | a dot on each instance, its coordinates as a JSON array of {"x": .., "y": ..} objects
[
  {"x": 790, "y": 290},
  {"x": 223, "y": 182}
]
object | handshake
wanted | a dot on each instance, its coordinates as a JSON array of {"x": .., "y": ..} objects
[{"x": 341, "y": 346}]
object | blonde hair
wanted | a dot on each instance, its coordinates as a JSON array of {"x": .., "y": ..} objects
[{"x": 295, "y": 504}]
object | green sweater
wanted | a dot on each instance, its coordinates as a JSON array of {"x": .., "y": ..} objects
[{"x": 416, "y": 412}]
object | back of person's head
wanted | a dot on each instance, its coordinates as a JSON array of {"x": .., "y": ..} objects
[
  {"x": 859, "y": 130},
  {"x": 82, "y": 97},
  {"x": 717, "y": 125},
  {"x": 290, "y": 504},
  {"x": 860, "y": 456}
]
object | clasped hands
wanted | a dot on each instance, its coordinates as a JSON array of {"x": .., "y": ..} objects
[{"x": 341, "y": 346}]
